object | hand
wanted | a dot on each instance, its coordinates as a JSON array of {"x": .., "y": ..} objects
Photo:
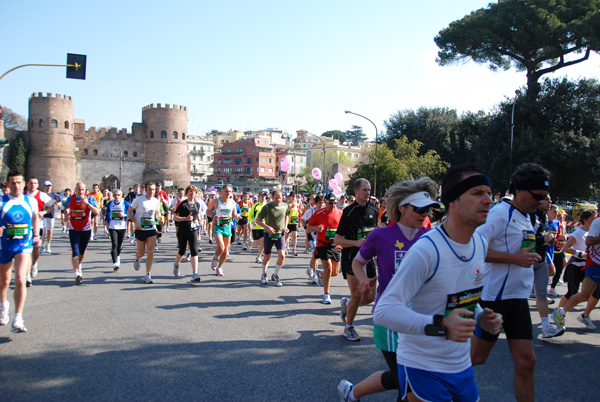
[
  {"x": 525, "y": 259},
  {"x": 368, "y": 286},
  {"x": 549, "y": 238},
  {"x": 270, "y": 230},
  {"x": 287, "y": 230},
  {"x": 2, "y": 230},
  {"x": 321, "y": 228},
  {"x": 459, "y": 329},
  {"x": 189, "y": 218},
  {"x": 490, "y": 321},
  {"x": 359, "y": 243}
]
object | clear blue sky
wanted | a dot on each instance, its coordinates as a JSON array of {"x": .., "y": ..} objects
[{"x": 248, "y": 65}]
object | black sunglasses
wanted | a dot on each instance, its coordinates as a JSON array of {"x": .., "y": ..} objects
[
  {"x": 421, "y": 210},
  {"x": 539, "y": 197}
]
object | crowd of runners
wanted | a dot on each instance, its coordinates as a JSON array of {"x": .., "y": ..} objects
[{"x": 442, "y": 285}]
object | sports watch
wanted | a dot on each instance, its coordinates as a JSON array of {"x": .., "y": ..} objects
[{"x": 437, "y": 328}]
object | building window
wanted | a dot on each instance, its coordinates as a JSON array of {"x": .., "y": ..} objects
[
  {"x": 151, "y": 134},
  {"x": 163, "y": 134},
  {"x": 183, "y": 136},
  {"x": 201, "y": 158},
  {"x": 270, "y": 170},
  {"x": 95, "y": 152},
  {"x": 67, "y": 124},
  {"x": 270, "y": 160},
  {"x": 262, "y": 169},
  {"x": 41, "y": 123},
  {"x": 237, "y": 161},
  {"x": 257, "y": 159},
  {"x": 125, "y": 154},
  {"x": 54, "y": 123},
  {"x": 262, "y": 159},
  {"x": 135, "y": 154},
  {"x": 249, "y": 161},
  {"x": 174, "y": 135},
  {"x": 85, "y": 151},
  {"x": 257, "y": 169}
]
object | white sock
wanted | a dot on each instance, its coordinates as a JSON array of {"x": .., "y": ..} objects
[
  {"x": 18, "y": 316},
  {"x": 265, "y": 267},
  {"x": 562, "y": 311},
  {"x": 351, "y": 395},
  {"x": 545, "y": 322},
  {"x": 277, "y": 268}
]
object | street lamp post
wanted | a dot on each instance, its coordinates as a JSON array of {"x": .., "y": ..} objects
[
  {"x": 376, "y": 140},
  {"x": 322, "y": 142}
]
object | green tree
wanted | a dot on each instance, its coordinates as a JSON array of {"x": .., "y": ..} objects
[
  {"x": 325, "y": 164},
  {"x": 536, "y": 36},
  {"x": 17, "y": 153},
  {"x": 336, "y": 134},
  {"x": 13, "y": 120},
  {"x": 355, "y": 136},
  {"x": 403, "y": 161}
]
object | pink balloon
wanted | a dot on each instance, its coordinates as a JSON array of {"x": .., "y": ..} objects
[
  {"x": 338, "y": 178},
  {"x": 286, "y": 163},
  {"x": 333, "y": 184},
  {"x": 338, "y": 190},
  {"x": 316, "y": 173}
]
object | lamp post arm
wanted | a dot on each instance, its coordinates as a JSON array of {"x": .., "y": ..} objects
[{"x": 38, "y": 65}]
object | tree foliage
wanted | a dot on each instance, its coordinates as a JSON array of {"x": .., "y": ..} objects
[
  {"x": 13, "y": 120},
  {"x": 336, "y": 134},
  {"x": 402, "y": 161},
  {"x": 17, "y": 153},
  {"x": 325, "y": 164},
  {"x": 355, "y": 136},
  {"x": 536, "y": 36}
]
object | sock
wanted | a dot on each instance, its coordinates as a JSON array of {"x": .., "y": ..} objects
[
  {"x": 545, "y": 322},
  {"x": 3, "y": 305},
  {"x": 265, "y": 267},
  {"x": 18, "y": 316},
  {"x": 351, "y": 395},
  {"x": 349, "y": 325},
  {"x": 277, "y": 268},
  {"x": 562, "y": 311}
]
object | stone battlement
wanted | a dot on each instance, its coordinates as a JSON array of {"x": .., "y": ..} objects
[
  {"x": 93, "y": 131},
  {"x": 167, "y": 106},
  {"x": 49, "y": 95}
]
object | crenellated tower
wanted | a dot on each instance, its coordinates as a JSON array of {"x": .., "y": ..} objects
[
  {"x": 51, "y": 153},
  {"x": 166, "y": 146}
]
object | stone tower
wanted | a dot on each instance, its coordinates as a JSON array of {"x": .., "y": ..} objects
[
  {"x": 51, "y": 153},
  {"x": 166, "y": 146}
]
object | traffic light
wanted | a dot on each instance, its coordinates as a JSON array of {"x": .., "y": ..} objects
[{"x": 76, "y": 66}]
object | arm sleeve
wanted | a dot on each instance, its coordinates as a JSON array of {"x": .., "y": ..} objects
[{"x": 393, "y": 311}]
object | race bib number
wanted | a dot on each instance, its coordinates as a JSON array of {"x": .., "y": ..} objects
[
  {"x": 294, "y": 220},
  {"x": 78, "y": 214},
  {"x": 467, "y": 299},
  {"x": 528, "y": 240},
  {"x": 244, "y": 211},
  {"x": 275, "y": 236},
  {"x": 363, "y": 232},
  {"x": 224, "y": 221},
  {"x": 330, "y": 233},
  {"x": 193, "y": 225},
  {"x": 398, "y": 257},
  {"x": 146, "y": 222},
  {"x": 17, "y": 231},
  {"x": 116, "y": 216}
]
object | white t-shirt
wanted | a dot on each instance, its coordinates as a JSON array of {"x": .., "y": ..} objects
[
  {"x": 579, "y": 236},
  {"x": 437, "y": 276},
  {"x": 47, "y": 202},
  {"x": 505, "y": 231},
  {"x": 145, "y": 211},
  {"x": 594, "y": 252}
]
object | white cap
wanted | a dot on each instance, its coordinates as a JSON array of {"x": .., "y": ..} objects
[{"x": 420, "y": 199}]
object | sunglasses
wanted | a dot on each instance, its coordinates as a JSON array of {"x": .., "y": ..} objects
[
  {"x": 331, "y": 203},
  {"x": 539, "y": 197},
  {"x": 421, "y": 210}
]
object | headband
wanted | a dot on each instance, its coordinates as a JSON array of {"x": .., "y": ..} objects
[
  {"x": 533, "y": 183},
  {"x": 463, "y": 186}
]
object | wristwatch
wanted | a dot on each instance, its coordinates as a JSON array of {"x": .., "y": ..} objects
[{"x": 437, "y": 328}]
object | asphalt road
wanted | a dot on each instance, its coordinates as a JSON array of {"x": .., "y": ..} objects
[{"x": 229, "y": 339}]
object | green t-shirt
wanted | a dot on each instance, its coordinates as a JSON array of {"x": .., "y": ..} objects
[{"x": 274, "y": 216}]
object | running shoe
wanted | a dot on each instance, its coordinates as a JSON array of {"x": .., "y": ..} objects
[
  {"x": 48, "y": 249},
  {"x": 220, "y": 272},
  {"x": 239, "y": 241},
  {"x": 159, "y": 240},
  {"x": 167, "y": 230},
  {"x": 195, "y": 279},
  {"x": 275, "y": 278},
  {"x": 115, "y": 267},
  {"x": 132, "y": 240},
  {"x": 295, "y": 253},
  {"x": 587, "y": 321},
  {"x": 350, "y": 333},
  {"x": 344, "y": 388},
  {"x": 136, "y": 264},
  {"x": 4, "y": 315},
  {"x": 210, "y": 241},
  {"x": 326, "y": 298},
  {"x": 175, "y": 269},
  {"x": 95, "y": 237},
  {"x": 244, "y": 247},
  {"x": 199, "y": 250},
  {"x": 18, "y": 326},
  {"x": 188, "y": 258},
  {"x": 559, "y": 319},
  {"x": 550, "y": 301},
  {"x": 344, "y": 302},
  {"x": 148, "y": 278},
  {"x": 155, "y": 248},
  {"x": 263, "y": 279},
  {"x": 309, "y": 273},
  {"x": 258, "y": 260},
  {"x": 78, "y": 278},
  {"x": 553, "y": 292},
  {"x": 34, "y": 270},
  {"x": 28, "y": 281},
  {"x": 551, "y": 331},
  {"x": 64, "y": 229},
  {"x": 319, "y": 276},
  {"x": 307, "y": 251},
  {"x": 214, "y": 264},
  {"x": 249, "y": 246}
]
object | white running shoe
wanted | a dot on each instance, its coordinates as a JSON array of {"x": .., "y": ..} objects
[
  {"x": 148, "y": 278},
  {"x": 28, "y": 281},
  {"x": 319, "y": 276},
  {"x": 263, "y": 279},
  {"x": 344, "y": 388},
  {"x": 34, "y": 270},
  {"x": 553, "y": 292},
  {"x": 220, "y": 272},
  {"x": 587, "y": 321},
  {"x": 195, "y": 279},
  {"x": 48, "y": 249},
  {"x": 244, "y": 247},
  {"x": 78, "y": 278},
  {"x": 258, "y": 260},
  {"x": 132, "y": 240},
  {"x": 326, "y": 298},
  {"x": 275, "y": 278},
  {"x": 309, "y": 273},
  {"x": 295, "y": 253},
  {"x": 215, "y": 263},
  {"x": 136, "y": 264},
  {"x": 155, "y": 248},
  {"x": 551, "y": 331},
  {"x": 18, "y": 326},
  {"x": 175, "y": 269},
  {"x": 4, "y": 315}
]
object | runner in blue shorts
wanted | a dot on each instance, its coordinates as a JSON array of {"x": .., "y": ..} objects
[
  {"x": 433, "y": 299},
  {"x": 19, "y": 228}
]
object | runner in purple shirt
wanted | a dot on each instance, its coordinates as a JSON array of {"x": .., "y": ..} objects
[{"x": 408, "y": 203}]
